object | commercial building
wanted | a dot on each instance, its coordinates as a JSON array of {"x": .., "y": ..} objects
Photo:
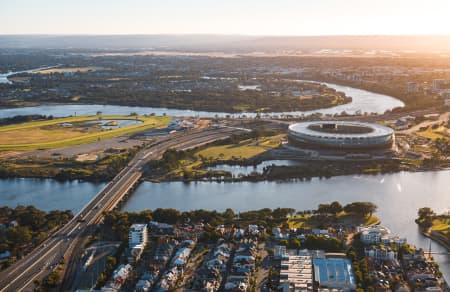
[
  {"x": 334, "y": 273},
  {"x": 343, "y": 135},
  {"x": 137, "y": 239},
  {"x": 296, "y": 272},
  {"x": 137, "y": 235},
  {"x": 316, "y": 270}
]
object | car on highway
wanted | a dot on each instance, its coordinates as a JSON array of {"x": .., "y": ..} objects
[{"x": 81, "y": 219}]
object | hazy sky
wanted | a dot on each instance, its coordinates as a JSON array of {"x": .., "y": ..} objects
[{"x": 263, "y": 17}]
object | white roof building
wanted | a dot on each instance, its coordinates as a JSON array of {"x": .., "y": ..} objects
[
  {"x": 137, "y": 235},
  {"x": 296, "y": 273},
  {"x": 377, "y": 234}
]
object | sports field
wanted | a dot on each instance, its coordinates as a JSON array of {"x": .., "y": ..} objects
[
  {"x": 69, "y": 131},
  {"x": 244, "y": 150}
]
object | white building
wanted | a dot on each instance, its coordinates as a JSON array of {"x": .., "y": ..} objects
[
  {"x": 296, "y": 273},
  {"x": 380, "y": 253},
  {"x": 137, "y": 235},
  {"x": 372, "y": 235},
  {"x": 379, "y": 234}
]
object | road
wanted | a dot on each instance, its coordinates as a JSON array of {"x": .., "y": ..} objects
[{"x": 65, "y": 243}]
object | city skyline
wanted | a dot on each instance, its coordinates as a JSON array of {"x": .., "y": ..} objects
[{"x": 282, "y": 18}]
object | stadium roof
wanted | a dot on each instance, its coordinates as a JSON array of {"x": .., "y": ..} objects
[{"x": 376, "y": 130}]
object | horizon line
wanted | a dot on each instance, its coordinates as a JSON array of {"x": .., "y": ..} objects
[{"x": 224, "y": 34}]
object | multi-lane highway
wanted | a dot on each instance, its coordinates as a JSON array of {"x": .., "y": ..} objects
[{"x": 62, "y": 245}]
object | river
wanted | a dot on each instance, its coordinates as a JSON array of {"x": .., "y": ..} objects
[
  {"x": 4, "y": 77},
  {"x": 238, "y": 170},
  {"x": 398, "y": 197},
  {"x": 47, "y": 194},
  {"x": 362, "y": 100}
]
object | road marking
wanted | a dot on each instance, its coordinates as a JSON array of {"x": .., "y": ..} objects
[
  {"x": 76, "y": 226},
  {"x": 32, "y": 278},
  {"x": 31, "y": 266},
  {"x": 32, "y": 256},
  {"x": 118, "y": 187}
]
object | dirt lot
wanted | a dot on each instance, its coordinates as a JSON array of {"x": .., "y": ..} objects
[{"x": 73, "y": 151}]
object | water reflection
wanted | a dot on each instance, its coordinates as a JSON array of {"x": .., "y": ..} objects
[{"x": 237, "y": 170}]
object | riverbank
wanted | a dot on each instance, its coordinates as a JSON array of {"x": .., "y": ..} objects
[
  {"x": 437, "y": 237},
  {"x": 398, "y": 197},
  {"x": 362, "y": 102},
  {"x": 232, "y": 160},
  {"x": 289, "y": 96},
  {"x": 434, "y": 226},
  {"x": 411, "y": 101},
  {"x": 103, "y": 168},
  {"x": 236, "y": 110}
]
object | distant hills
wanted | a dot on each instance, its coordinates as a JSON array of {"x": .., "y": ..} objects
[{"x": 230, "y": 43}]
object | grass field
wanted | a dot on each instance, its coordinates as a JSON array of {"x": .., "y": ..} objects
[
  {"x": 441, "y": 225},
  {"x": 67, "y": 70},
  {"x": 308, "y": 221},
  {"x": 48, "y": 134},
  {"x": 244, "y": 150}
]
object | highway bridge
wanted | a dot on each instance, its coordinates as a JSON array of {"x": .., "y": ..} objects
[{"x": 66, "y": 244}]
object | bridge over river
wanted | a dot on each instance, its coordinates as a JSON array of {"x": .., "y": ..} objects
[{"x": 67, "y": 242}]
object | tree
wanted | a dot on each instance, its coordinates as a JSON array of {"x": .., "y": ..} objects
[
  {"x": 52, "y": 280},
  {"x": 323, "y": 209},
  {"x": 170, "y": 215},
  {"x": 20, "y": 235},
  {"x": 111, "y": 263},
  {"x": 332, "y": 208},
  {"x": 425, "y": 212},
  {"x": 211, "y": 236},
  {"x": 229, "y": 214},
  {"x": 282, "y": 212},
  {"x": 336, "y": 207},
  {"x": 360, "y": 208},
  {"x": 426, "y": 216},
  {"x": 295, "y": 243}
]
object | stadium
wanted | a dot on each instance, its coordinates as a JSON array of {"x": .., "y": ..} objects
[{"x": 340, "y": 135}]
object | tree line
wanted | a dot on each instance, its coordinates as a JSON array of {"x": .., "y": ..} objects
[{"x": 25, "y": 227}]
